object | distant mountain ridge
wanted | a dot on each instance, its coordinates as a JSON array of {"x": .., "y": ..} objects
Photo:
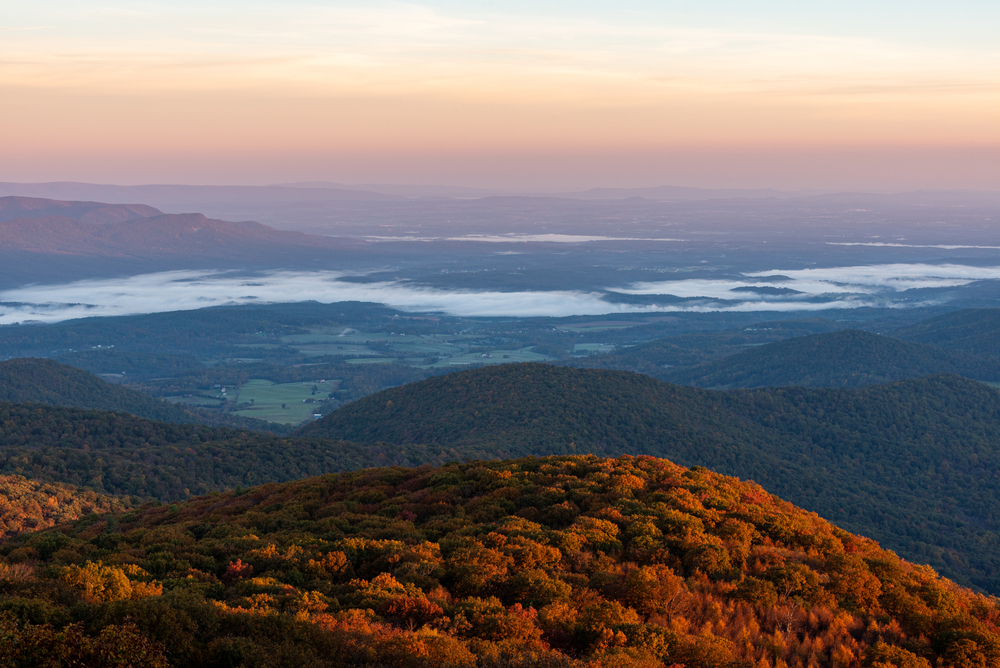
[
  {"x": 974, "y": 331},
  {"x": 97, "y": 213},
  {"x": 847, "y": 358},
  {"x": 167, "y": 195},
  {"x": 92, "y": 240},
  {"x": 155, "y": 237}
]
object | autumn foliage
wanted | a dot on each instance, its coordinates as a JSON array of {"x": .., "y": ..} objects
[{"x": 555, "y": 561}]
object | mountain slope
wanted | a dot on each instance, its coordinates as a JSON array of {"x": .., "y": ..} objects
[
  {"x": 873, "y": 459},
  {"x": 29, "y": 505},
  {"x": 50, "y": 241},
  {"x": 848, "y": 358},
  {"x": 189, "y": 235},
  {"x": 974, "y": 331},
  {"x": 48, "y": 382},
  {"x": 659, "y": 357},
  {"x": 115, "y": 453},
  {"x": 571, "y": 562}
]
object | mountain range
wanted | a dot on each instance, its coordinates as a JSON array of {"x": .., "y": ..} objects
[
  {"x": 847, "y": 358},
  {"x": 46, "y": 240}
]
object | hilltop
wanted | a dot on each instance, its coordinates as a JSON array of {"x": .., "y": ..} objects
[
  {"x": 563, "y": 561},
  {"x": 847, "y": 358},
  {"x": 871, "y": 459},
  {"x": 46, "y": 381}
]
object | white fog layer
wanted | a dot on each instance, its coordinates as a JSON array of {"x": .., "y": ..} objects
[{"x": 780, "y": 290}]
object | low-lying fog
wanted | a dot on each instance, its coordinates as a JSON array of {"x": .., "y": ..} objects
[{"x": 848, "y": 287}]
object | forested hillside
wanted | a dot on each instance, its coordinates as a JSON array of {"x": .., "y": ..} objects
[
  {"x": 847, "y": 358},
  {"x": 975, "y": 331},
  {"x": 554, "y": 562},
  {"x": 29, "y": 505},
  {"x": 48, "y": 382},
  {"x": 912, "y": 464},
  {"x": 660, "y": 357},
  {"x": 121, "y": 454}
]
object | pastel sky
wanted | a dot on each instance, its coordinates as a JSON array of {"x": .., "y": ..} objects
[{"x": 774, "y": 93}]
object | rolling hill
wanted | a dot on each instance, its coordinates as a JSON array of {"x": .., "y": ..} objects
[
  {"x": 973, "y": 331},
  {"x": 911, "y": 464},
  {"x": 847, "y": 358},
  {"x": 48, "y": 382},
  {"x": 566, "y": 562},
  {"x": 661, "y": 357},
  {"x": 116, "y": 453},
  {"x": 92, "y": 239}
]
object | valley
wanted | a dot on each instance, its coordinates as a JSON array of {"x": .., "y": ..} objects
[{"x": 465, "y": 480}]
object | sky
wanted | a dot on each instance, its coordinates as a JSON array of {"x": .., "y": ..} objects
[{"x": 877, "y": 95}]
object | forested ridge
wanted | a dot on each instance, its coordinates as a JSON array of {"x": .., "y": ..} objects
[
  {"x": 975, "y": 331},
  {"x": 555, "y": 562},
  {"x": 122, "y": 454},
  {"x": 912, "y": 464},
  {"x": 662, "y": 356},
  {"x": 847, "y": 358}
]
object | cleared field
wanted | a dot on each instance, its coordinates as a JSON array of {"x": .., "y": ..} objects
[
  {"x": 593, "y": 347},
  {"x": 496, "y": 357},
  {"x": 195, "y": 401},
  {"x": 599, "y": 327},
  {"x": 364, "y": 344},
  {"x": 268, "y": 398},
  {"x": 331, "y": 349}
]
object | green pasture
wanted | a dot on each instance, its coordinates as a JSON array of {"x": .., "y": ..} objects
[
  {"x": 597, "y": 327},
  {"x": 334, "y": 349},
  {"x": 497, "y": 357},
  {"x": 268, "y": 398}
]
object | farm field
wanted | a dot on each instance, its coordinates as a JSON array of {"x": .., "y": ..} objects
[
  {"x": 496, "y": 357},
  {"x": 593, "y": 348},
  {"x": 202, "y": 402},
  {"x": 268, "y": 398},
  {"x": 355, "y": 344}
]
